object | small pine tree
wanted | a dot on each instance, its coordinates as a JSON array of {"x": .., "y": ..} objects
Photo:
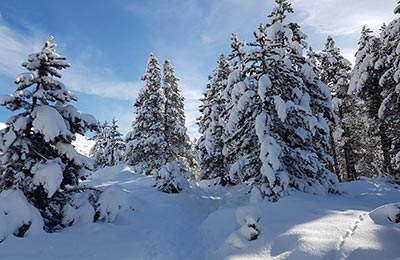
[
  {"x": 145, "y": 148},
  {"x": 115, "y": 145},
  {"x": 109, "y": 147},
  {"x": 36, "y": 151},
  {"x": 97, "y": 151}
]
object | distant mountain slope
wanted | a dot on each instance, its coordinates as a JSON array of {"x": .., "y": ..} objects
[{"x": 83, "y": 144}]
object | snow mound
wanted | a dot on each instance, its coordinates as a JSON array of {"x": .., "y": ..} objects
[
  {"x": 111, "y": 201},
  {"x": 17, "y": 216},
  {"x": 79, "y": 210},
  {"x": 112, "y": 175},
  {"x": 387, "y": 214}
]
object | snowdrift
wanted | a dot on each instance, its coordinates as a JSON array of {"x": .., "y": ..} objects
[{"x": 205, "y": 222}]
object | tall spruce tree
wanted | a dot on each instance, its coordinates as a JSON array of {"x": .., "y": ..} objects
[
  {"x": 364, "y": 83},
  {"x": 279, "y": 118},
  {"x": 349, "y": 135},
  {"x": 211, "y": 125},
  {"x": 36, "y": 151},
  {"x": 178, "y": 142},
  {"x": 145, "y": 149},
  {"x": 389, "y": 111},
  {"x": 241, "y": 146}
]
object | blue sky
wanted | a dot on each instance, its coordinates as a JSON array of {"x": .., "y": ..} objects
[{"x": 108, "y": 42}]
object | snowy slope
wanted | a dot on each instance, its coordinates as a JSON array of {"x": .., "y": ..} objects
[
  {"x": 207, "y": 223},
  {"x": 83, "y": 144}
]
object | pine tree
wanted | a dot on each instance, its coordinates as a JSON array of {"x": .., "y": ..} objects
[
  {"x": 146, "y": 142},
  {"x": 281, "y": 115},
  {"x": 349, "y": 138},
  {"x": 211, "y": 125},
  {"x": 364, "y": 83},
  {"x": 97, "y": 152},
  {"x": 241, "y": 146},
  {"x": 115, "y": 145},
  {"x": 109, "y": 147},
  {"x": 37, "y": 155},
  {"x": 169, "y": 177},
  {"x": 175, "y": 130},
  {"x": 389, "y": 111}
]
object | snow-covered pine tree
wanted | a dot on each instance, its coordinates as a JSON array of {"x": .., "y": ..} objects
[
  {"x": 364, "y": 83},
  {"x": 349, "y": 135},
  {"x": 97, "y": 151},
  {"x": 389, "y": 111},
  {"x": 37, "y": 155},
  {"x": 145, "y": 148},
  {"x": 175, "y": 130},
  {"x": 291, "y": 126},
  {"x": 167, "y": 179},
  {"x": 115, "y": 145},
  {"x": 241, "y": 147},
  {"x": 211, "y": 126}
]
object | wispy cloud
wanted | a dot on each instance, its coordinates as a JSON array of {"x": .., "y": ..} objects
[
  {"x": 343, "y": 17},
  {"x": 15, "y": 47}
]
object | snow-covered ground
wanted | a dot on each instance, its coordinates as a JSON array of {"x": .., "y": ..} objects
[{"x": 209, "y": 223}]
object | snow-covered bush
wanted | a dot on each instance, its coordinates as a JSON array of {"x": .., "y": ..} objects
[
  {"x": 110, "y": 202},
  {"x": 170, "y": 178},
  {"x": 247, "y": 217}
]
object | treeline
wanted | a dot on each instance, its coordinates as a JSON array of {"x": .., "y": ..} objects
[{"x": 280, "y": 116}]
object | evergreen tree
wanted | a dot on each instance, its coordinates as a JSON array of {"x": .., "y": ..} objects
[
  {"x": 145, "y": 149},
  {"x": 389, "y": 111},
  {"x": 115, "y": 145},
  {"x": 241, "y": 146},
  {"x": 211, "y": 125},
  {"x": 280, "y": 117},
  {"x": 170, "y": 176},
  {"x": 364, "y": 83},
  {"x": 97, "y": 152},
  {"x": 36, "y": 151},
  {"x": 175, "y": 130},
  {"x": 109, "y": 147},
  {"x": 349, "y": 136}
]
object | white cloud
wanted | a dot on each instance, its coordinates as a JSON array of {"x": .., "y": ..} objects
[
  {"x": 15, "y": 47},
  {"x": 14, "y": 50},
  {"x": 344, "y": 17},
  {"x": 80, "y": 78}
]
